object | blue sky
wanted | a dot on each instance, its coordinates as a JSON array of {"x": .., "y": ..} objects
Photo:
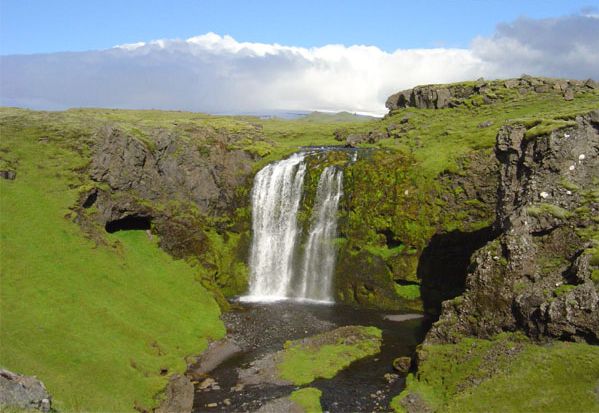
[
  {"x": 41, "y": 26},
  {"x": 255, "y": 56}
]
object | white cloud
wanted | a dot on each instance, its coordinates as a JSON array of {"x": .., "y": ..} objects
[{"x": 215, "y": 73}]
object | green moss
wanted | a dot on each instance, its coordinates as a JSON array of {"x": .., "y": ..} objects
[
  {"x": 409, "y": 292},
  {"x": 308, "y": 398},
  {"x": 506, "y": 374},
  {"x": 555, "y": 211},
  {"x": 301, "y": 364},
  {"x": 563, "y": 289}
]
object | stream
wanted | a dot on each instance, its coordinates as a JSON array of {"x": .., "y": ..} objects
[{"x": 366, "y": 385}]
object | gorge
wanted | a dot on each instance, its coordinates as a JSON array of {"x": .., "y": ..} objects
[{"x": 472, "y": 204}]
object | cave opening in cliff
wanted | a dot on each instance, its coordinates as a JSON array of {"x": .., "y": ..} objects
[
  {"x": 444, "y": 262},
  {"x": 128, "y": 223}
]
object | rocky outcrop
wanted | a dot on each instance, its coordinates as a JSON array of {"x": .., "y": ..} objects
[
  {"x": 23, "y": 392},
  {"x": 178, "y": 396},
  {"x": 484, "y": 92},
  {"x": 538, "y": 274},
  {"x": 205, "y": 172},
  {"x": 166, "y": 182}
]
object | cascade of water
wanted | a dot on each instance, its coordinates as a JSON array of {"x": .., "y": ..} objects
[
  {"x": 276, "y": 199},
  {"x": 320, "y": 252}
]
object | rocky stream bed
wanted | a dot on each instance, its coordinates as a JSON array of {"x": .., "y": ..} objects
[{"x": 257, "y": 331}]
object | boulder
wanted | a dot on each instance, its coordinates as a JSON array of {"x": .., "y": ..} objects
[
  {"x": 216, "y": 353},
  {"x": 23, "y": 392},
  {"x": 569, "y": 94},
  {"x": 178, "y": 396},
  {"x": 402, "y": 364}
]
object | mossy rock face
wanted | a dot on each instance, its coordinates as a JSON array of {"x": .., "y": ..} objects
[{"x": 536, "y": 275}]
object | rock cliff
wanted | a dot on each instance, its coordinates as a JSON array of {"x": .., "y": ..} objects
[
  {"x": 541, "y": 274},
  {"x": 168, "y": 182},
  {"x": 483, "y": 92}
]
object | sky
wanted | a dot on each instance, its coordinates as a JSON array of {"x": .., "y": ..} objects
[{"x": 248, "y": 56}]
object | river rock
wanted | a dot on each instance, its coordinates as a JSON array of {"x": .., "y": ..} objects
[
  {"x": 283, "y": 404},
  {"x": 178, "y": 396},
  {"x": 23, "y": 392},
  {"x": 402, "y": 364}
]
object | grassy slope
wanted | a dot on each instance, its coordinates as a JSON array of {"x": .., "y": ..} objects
[
  {"x": 507, "y": 374},
  {"x": 95, "y": 323}
]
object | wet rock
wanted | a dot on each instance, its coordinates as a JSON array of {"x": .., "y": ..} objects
[
  {"x": 24, "y": 392},
  {"x": 178, "y": 396},
  {"x": 283, "y": 404},
  {"x": 391, "y": 378},
  {"x": 207, "y": 384},
  {"x": 216, "y": 353},
  {"x": 263, "y": 371},
  {"x": 402, "y": 364}
]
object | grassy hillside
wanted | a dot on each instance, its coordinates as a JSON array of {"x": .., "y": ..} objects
[
  {"x": 506, "y": 374},
  {"x": 96, "y": 323}
]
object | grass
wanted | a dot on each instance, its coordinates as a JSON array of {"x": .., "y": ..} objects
[
  {"x": 303, "y": 363},
  {"x": 96, "y": 323},
  {"x": 308, "y": 398},
  {"x": 507, "y": 374}
]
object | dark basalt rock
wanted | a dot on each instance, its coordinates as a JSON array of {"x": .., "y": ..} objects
[
  {"x": 172, "y": 170},
  {"x": 536, "y": 276},
  {"x": 169, "y": 185},
  {"x": 447, "y": 96}
]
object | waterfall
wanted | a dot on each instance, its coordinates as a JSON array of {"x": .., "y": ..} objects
[
  {"x": 319, "y": 253},
  {"x": 278, "y": 270},
  {"x": 276, "y": 199}
]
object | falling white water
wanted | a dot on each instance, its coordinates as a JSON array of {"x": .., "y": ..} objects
[
  {"x": 319, "y": 254},
  {"x": 275, "y": 273},
  {"x": 276, "y": 199}
]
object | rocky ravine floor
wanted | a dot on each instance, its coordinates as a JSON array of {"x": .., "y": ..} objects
[{"x": 248, "y": 378}]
